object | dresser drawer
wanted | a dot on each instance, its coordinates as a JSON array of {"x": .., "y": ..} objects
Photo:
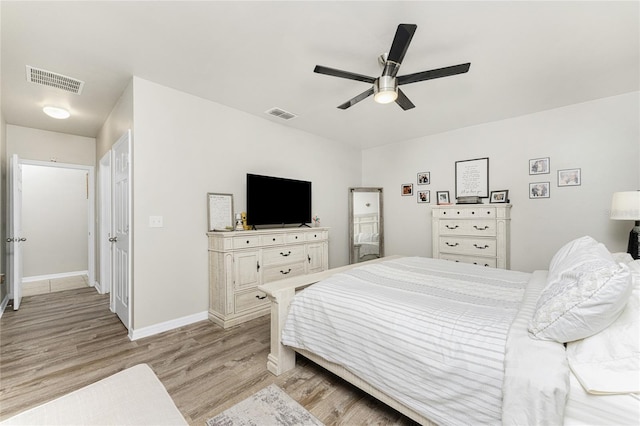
[
  {"x": 246, "y": 241},
  {"x": 283, "y": 271},
  {"x": 468, "y": 227},
  {"x": 249, "y": 300},
  {"x": 316, "y": 236},
  {"x": 284, "y": 254},
  {"x": 468, "y": 246},
  {"x": 466, "y": 213},
  {"x": 297, "y": 237},
  {"x": 483, "y": 261},
  {"x": 272, "y": 240}
]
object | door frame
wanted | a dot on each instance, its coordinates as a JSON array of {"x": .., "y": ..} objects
[
  {"x": 105, "y": 224},
  {"x": 90, "y": 208}
]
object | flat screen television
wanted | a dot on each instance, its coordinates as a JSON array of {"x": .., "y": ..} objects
[{"x": 277, "y": 201}]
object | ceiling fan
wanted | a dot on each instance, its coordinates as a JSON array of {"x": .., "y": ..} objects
[{"x": 385, "y": 88}]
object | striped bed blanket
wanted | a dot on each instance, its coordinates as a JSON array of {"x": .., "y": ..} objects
[{"x": 429, "y": 333}]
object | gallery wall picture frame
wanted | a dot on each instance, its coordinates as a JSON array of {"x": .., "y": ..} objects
[
  {"x": 472, "y": 178},
  {"x": 539, "y": 190},
  {"x": 501, "y": 196},
  {"x": 406, "y": 189},
  {"x": 424, "y": 178},
  {"x": 442, "y": 197},
  {"x": 539, "y": 166},
  {"x": 220, "y": 212},
  {"x": 569, "y": 177},
  {"x": 424, "y": 196}
]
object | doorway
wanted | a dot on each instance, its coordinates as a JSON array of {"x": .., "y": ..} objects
[{"x": 57, "y": 216}]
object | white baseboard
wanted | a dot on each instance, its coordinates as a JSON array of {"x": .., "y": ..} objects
[
  {"x": 53, "y": 276},
  {"x": 166, "y": 326},
  {"x": 4, "y": 304}
]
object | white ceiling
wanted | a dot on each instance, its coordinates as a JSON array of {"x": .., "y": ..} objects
[{"x": 253, "y": 56}]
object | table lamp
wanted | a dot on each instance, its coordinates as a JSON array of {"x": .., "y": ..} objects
[{"x": 626, "y": 206}]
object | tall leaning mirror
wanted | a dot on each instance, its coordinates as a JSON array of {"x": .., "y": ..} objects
[{"x": 366, "y": 236}]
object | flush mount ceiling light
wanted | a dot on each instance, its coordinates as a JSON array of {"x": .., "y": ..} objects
[{"x": 56, "y": 112}]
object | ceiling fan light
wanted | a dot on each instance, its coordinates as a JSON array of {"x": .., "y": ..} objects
[
  {"x": 385, "y": 97},
  {"x": 56, "y": 112},
  {"x": 385, "y": 90}
]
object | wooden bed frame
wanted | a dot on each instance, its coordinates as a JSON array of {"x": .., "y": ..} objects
[{"x": 283, "y": 358}]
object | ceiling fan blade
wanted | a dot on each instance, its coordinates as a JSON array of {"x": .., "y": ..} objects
[
  {"x": 356, "y": 99},
  {"x": 403, "y": 101},
  {"x": 343, "y": 74},
  {"x": 401, "y": 41},
  {"x": 437, "y": 73}
]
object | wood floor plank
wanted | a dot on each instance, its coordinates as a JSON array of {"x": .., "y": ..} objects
[{"x": 59, "y": 342}]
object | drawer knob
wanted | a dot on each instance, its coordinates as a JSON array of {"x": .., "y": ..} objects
[
  {"x": 285, "y": 254},
  {"x": 481, "y": 228},
  {"x": 452, "y": 227},
  {"x": 261, "y": 297},
  {"x": 285, "y": 273},
  {"x": 451, "y": 245},
  {"x": 481, "y": 247}
]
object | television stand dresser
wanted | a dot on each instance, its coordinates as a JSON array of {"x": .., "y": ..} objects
[
  {"x": 240, "y": 261},
  {"x": 472, "y": 233}
]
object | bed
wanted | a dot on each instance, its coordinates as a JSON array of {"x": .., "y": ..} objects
[{"x": 449, "y": 343}]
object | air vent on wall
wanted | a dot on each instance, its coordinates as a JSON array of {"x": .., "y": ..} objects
[
  {"x": 52, "y": 79},
  {"x": 280, "y": 113}
]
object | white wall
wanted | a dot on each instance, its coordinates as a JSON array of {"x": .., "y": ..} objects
[
  {"x": 601, "y": 137},
  {"x": 43, "y": 145},
  {"x": 184, "y": 147},
  {"x": 55, "y": 209}
]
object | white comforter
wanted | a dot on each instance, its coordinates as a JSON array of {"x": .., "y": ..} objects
[{"x": 430, "y": 333}]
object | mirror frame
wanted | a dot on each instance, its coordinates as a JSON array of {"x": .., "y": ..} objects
[{"x": 380, "y": 220}]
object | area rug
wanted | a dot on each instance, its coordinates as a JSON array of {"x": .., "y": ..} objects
[{"x": 270, "y": 406}]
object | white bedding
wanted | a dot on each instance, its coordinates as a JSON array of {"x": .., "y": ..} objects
[{"x": 436, "y": 345}]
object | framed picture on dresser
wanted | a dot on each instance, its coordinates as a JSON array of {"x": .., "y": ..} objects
[
  {"x": 499, "y": 196},
  {"x": 442, "y": 197}
]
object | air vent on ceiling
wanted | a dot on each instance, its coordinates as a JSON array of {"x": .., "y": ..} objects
[
  {"x": 52, "y": 79},
  {"x": 280, "y": 113}
]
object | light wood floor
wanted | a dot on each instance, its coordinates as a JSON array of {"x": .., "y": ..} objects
[{"x": 59, "y": 342}]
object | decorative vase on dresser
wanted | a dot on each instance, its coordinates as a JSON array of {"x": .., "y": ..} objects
[
  {"x": 474, "y": 233},
  {"x": 240, "y": 261}
]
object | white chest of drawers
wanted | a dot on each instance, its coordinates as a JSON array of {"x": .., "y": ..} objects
[
  {"x": 474, "y": 233},
  {"x": 240, "y": 261}
]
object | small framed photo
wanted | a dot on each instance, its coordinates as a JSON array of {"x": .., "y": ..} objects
[
  {"x": 407, "y": 189},
  {"x": 424, "y": 178},
  {"x": 499, "y": 196},
  {"x": 442, "y": 197},
  {"x": 424, "y": 196},
  {"x": 539, "y": 190},
  {"x": 569, "y": 177},
  {"x": 539, "y": 166}
]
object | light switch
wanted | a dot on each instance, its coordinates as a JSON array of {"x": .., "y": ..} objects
[{"x": 155, "y": 222}]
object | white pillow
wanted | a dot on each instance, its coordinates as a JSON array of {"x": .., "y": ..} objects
[
  {"x": 559, "y": 262},
  {"x": 609, "y": 362},
  {"x": 585, "y": 293}
]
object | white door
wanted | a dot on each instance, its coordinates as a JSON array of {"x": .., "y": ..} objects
[
  {"x": 121, "y": 228},
  {"x": 15, "y": 238}
]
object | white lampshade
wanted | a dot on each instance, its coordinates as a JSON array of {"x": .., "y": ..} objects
[{"x": 625, "y": 205}]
